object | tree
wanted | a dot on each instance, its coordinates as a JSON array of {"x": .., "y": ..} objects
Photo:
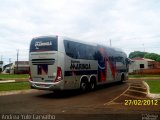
[
  {"x": 158, "y": 59},
  {"x": 152, "y": 56},
  {"x": 137, "y": 54},
  {"x": 147, "y": 56}
]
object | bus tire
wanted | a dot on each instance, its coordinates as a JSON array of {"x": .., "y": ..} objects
[
  {"x": 122, "y": 78},
  {"x": 31, "y": 87},
  {"x": 84, "y": 86},
  {"x": 92, "y": 85}
]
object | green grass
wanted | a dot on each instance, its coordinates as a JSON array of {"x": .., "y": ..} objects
[
  {"x": 6, "y": 76},
  {"x": 139, "y": 76},
  {"x": 14, "y": 86},
  {"x": 154, "y": 85}
]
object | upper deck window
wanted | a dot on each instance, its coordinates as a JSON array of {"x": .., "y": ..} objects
[
  {"x": 79, "y": 50},
  {"x": 44, "y": 44}
]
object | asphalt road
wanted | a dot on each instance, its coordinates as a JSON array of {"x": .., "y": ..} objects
[{"x": 107, "y": 102}]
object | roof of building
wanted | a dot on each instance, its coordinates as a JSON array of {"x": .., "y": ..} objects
[
  {"x": 148, "y": 59},
  {"x": 137, "y": 59},
  {"x": 145, "y": 59}
]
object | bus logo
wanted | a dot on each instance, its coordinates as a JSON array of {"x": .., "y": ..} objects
[{"x": 41, "y": 44}]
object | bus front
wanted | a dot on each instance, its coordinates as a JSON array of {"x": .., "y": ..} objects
[{"x": 45, "y": 73}]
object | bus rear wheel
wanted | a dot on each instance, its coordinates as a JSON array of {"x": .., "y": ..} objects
[
  {"x": 84, "y": 86},
  {"x": 92, "y": 85}
]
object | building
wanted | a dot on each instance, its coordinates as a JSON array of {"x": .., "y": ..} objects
[
  {"x": 153, "y": 65},
  {"x": 138, "y": 64},
  {"x": 20, "y": 67}
]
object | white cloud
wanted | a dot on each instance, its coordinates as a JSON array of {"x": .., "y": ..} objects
[{"x": 130, "y": 24}]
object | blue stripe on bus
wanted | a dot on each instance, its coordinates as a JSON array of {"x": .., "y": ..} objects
[
  {"x": 122, "y": 70},
  {"x": 87, "y": 72}
]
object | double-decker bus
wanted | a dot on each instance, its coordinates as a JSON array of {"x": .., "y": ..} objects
[{"x": 62, "y": 63}]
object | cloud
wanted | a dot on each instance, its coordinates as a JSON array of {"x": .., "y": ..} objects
[{"x": 130, "y": 25}]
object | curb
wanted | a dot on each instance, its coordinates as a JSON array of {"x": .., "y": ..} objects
[
  {"x": 150, "y": 95},
  {"x": 7, "y": 81},
  {"x": 3, "y": 93},
  {"x": 12, "y": 80}
]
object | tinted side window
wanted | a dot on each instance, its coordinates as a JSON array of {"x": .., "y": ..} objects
[
  {"x": 91, "y": 52},
  {"x": 120, "y": 59},
  {"x": 79, "y": 50},
  {"x": 71, "y": 49}
]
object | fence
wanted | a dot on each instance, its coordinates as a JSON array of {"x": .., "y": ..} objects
[{"x": 146, "y": 71}]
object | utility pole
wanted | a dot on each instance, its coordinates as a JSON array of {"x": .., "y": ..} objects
[
  {"x": 9, "y": 60},
  {"x": 17, "y": 59},
  {"x": 143, "y": 47},
  {"x": 110, "y": 42}
]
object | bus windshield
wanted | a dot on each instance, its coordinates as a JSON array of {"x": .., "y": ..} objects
[{"x": 44, "y": 44}]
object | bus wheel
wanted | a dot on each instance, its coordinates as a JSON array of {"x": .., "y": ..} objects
[
  {"x": 122, "y": 78},
  {"x": 84, "y": 86},
  {"x": 92, "y": 85}
]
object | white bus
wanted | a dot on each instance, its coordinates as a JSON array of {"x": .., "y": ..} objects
[{"x": 61, "y": 63}]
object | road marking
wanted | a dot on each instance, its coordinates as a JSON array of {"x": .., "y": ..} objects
[
  {"x": 137, "y": 91},
  {"x": 137, "y": 87},
  {"x": 134, "y": 97},
  {"x": 112, "y": 101}
]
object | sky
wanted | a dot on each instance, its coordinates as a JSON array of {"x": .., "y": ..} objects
[{"x": 132, "y": 25}]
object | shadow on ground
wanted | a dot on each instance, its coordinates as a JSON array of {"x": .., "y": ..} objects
[{"x": 74, "y": 93}]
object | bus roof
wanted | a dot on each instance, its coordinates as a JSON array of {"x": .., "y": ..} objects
[{"x": 83, "y": 42}]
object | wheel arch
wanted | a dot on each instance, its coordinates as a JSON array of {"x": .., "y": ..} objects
[
  {"x": 122, "y": 77},
  {"x": 84, "y": 77},
  {"x": 93, "y": 77}
]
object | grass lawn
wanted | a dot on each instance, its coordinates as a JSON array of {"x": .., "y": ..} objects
[
  {"x": 6, "y": 76},
  {"x": 14, "y": 86},
  {"x": 154, "y": 85},
  {"x": 139, "y": 76}
]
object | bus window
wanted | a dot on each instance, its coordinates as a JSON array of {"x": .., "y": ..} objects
[
  {"x": 44, "y": 44},
  {"x": 82, "y": 51},
  {"x": 71, "y": 49},
  {"x": 79, "y": 51}
]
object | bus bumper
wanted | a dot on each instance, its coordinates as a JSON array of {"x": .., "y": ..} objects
[{"x": 47, "y": 85}]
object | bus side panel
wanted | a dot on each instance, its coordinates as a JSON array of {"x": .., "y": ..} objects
[
  {"x": 121, "y": 69},
  {"x": 115, "y": 64},
  {"x": 61, "y": 65},
  {"x": 71, "y": 79},
  {"x": 74, "y": 71}
]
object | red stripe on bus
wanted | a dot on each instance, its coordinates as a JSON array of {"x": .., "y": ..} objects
[{"x": 113, "y": 69}]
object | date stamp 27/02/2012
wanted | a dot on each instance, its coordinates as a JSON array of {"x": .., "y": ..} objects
[{"x": 141, "y": 102}]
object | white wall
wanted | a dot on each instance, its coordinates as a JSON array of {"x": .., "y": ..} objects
[{"x": 135, "y": 65}]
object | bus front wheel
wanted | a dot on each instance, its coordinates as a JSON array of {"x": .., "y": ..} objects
[{"x": 122, "y": 78}]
